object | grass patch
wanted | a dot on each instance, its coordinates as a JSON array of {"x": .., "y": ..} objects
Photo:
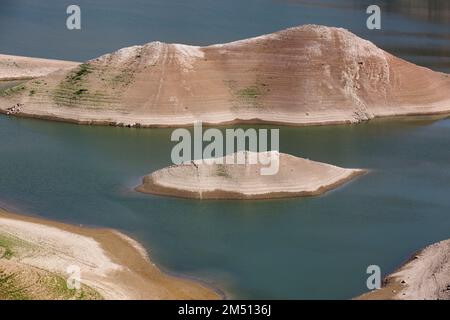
[
  {"x": 249, "y": 96},
  {"x": 71, "y": 89},
  {"x": 78, "y": 75},
  {"x": 76, "y": 90},
  {"x": 10, "y": 288},
  {"x": 221, "y": 171},
  {"x": 124, "y": 78},
  {"x": 12, "y": 246},
  {"x": 12, "y": 91},
  {"x": 6, "y": 244},
  {"x": 27, "y": 285},
  {"x": 79, "y": 92},
  {"x": 251, "y": 92},
  {"x": 57, "y": 288}
]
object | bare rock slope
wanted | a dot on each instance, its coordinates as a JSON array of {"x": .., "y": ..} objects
[
  {"x": 426, "y": 276},
  {"x": 203, "y": 179},
  {"x": 299, "y": 76},
  {"x": 38, "y": 257}
]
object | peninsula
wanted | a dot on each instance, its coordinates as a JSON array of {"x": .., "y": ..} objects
[{"x": 36, "y": 255}]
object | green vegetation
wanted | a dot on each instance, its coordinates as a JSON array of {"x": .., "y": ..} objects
[
  {"x": 7, "y": 245},
  {"x": 221, "y": 171},
  {"x": 251, "y": 92},
  {"x": 72, "y": 88},
  {"x": 78, "y": 75},
  {"x": 10, "y": 289},
  {"x": 57, "y": 287},
  {"x": 249, "y": 96},
  {"x": 10, "y": 246},
  {"x": 27, "y": 282},
  {"x": 12, "y": 91},
  {"x": 124, "y": 78},
  {"x": 80, "y": 92},
  {"x": 38, "y": 284}
]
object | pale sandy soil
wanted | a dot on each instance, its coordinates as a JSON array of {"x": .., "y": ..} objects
[
  {"x": 111, "y": 264},
  {"x": 426, "y": 276},
  {"x": 306, "y": 75},
  {"x": 17, "y": 67},
  {"x": 206, "y": 180}
]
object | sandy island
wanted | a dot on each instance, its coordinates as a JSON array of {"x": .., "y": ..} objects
[
  {"x": 426, "y": 276},
  {"x": 308, "y": 75},
  {"x": 200, "y": 180},
  {"x": 35, "y": 255}
]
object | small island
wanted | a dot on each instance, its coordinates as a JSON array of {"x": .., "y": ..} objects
[{"x": 215, "y": 179}]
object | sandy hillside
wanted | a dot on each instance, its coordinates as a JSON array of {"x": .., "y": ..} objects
[
  {"x": 206, "y": 180},
  {"x": 426, "y": 276},
  {"x": 16, "y": 67},
  {"x": 303, "y": 75},
  {"x": 35, "y": 255}
]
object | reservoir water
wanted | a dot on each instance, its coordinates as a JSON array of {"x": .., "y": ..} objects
[{"x": 296, "y": 248}]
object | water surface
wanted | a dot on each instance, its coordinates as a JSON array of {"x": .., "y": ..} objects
[{"x": 297, "y": 248}]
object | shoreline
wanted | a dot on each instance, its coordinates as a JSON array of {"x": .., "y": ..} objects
[
  {"x": 425, "y": 275},
  {"x": 121, "y": 268}
]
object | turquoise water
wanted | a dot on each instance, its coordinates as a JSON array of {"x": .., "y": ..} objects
[{"x": 297, "y": 248}]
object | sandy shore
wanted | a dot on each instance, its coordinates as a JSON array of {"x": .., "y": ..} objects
[
  {"x": 200, "y": 180},
  {"x": 426, "y": 276},
  {"x": 18, "y": 68},
  {"x": 307, "y": 75},
  {"x": 36, "y": 253}
]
